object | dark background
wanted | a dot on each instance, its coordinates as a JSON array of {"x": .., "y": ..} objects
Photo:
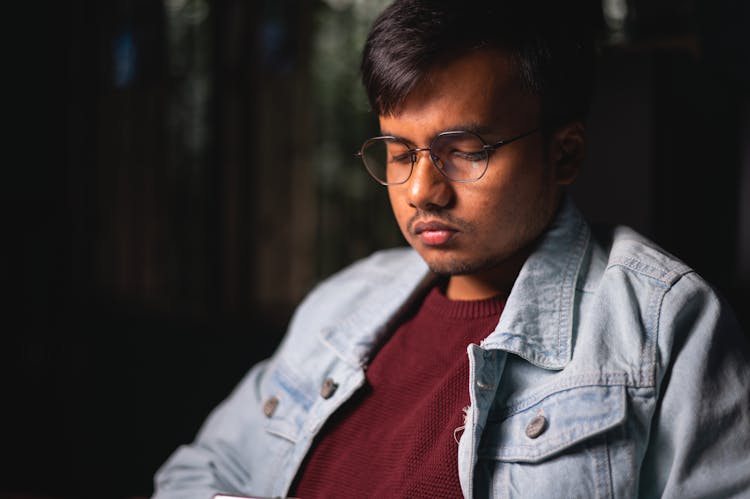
[{"x": 179, "y": 174}]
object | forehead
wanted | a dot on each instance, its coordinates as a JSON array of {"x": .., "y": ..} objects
[{"x": 480, "y": 88}]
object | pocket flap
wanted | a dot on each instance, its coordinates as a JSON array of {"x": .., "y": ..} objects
[
  {"x": 291, "y": 401},
  {"x": 569, "y": 416}
]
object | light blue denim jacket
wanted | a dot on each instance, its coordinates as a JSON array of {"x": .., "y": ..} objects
[{"x": 632, "y": 362}]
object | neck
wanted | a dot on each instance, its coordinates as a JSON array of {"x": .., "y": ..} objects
[{"x": 496, "y": 281}]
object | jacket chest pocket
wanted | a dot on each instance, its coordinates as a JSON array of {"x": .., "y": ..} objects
[{"x": 555, "y": 446}]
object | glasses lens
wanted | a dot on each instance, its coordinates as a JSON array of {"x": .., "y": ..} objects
[
  {"x": 460, "y": 155},
  {"x": 387, "y": 160}
]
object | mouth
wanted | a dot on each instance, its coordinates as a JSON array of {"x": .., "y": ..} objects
[{"x": 434, "y": 233}]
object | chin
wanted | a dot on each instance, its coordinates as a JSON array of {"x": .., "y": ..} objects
[{"x": 452, "y": 267}]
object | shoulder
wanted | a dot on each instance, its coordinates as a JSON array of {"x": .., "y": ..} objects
[
  {"x": 380, "y": 266},
  {"x": 626, "y": 263},
  {"x": 624, "y": 250},
  {"x": 657, "y": 296},
  {"x": 366, "y": 276},
  {"x": 370, "y": 284}
]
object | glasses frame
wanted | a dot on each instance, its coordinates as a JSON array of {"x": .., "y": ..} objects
[{"x": 489, "y": 148}]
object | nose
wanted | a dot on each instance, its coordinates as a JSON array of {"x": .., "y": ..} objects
[{"x": 428, "y": 188}]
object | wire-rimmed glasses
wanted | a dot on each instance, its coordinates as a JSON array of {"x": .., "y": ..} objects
[{"x": 461, "y": 156}]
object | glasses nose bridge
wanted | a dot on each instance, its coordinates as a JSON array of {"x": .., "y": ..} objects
[{"x": 415, "y": 152}]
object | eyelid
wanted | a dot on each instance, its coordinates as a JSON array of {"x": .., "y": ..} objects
[{"x": 402, "y": 157}]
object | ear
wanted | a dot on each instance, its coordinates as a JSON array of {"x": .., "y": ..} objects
[{"x": 567, "y": 150}]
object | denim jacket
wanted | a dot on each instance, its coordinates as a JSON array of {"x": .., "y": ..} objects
[{"x": 614, "y": 371}]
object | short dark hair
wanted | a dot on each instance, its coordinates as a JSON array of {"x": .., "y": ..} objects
[{"x": 550, "y": 42}]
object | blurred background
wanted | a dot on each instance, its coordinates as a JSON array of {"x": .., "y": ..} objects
[{"x": 180, "y": 173}]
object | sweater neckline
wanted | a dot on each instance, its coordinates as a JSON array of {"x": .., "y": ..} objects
[{"x": 437, "y": 303}]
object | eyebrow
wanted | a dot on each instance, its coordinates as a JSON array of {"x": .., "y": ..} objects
[{"x": 480, "y": 129}]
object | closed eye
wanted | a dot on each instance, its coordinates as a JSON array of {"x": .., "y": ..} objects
[
  {"x": 401, "y": 158},
  {"x": 468, "y": 156}
]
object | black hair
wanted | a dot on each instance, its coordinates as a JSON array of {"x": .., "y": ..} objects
[{"x": 550, "y": 43}]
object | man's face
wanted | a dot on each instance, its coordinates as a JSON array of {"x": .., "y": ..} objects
[{"x": 476, "y": 232}]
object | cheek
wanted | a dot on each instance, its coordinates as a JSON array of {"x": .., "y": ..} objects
[
  {"x": 397, "y": 206},
  {"x": 513, "y": 201},
  {"x": 495, "y": 196},
  {"x": 521, "y": 183}
]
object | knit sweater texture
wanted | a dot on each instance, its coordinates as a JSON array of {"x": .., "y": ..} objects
[{"x": 397, "y": 436}]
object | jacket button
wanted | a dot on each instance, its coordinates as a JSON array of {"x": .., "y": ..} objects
[
  {"x": 536, "y": 426},
  {"x": 269, "y": 406},
  {"x": 328, "y": 388}
]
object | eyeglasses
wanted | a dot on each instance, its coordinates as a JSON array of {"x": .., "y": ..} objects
[{"x": 460, "y": 156}]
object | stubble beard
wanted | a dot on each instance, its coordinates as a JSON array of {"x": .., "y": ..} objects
[
  {"x": 527, "y": 240},
  {"x": 456, "y": 267}
]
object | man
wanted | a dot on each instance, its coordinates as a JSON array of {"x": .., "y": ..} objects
[{"x": 509, "y": 353}]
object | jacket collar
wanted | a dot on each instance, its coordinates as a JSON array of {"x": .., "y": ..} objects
[{"x": 536, "y": 323}]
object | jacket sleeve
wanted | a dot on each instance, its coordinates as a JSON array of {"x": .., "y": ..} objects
[
  {"x": 700, "y": 434},
  {"x": 215, "y": 461}
]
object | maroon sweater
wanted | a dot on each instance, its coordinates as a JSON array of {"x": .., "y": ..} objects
[{"x": 395, "y": 438}]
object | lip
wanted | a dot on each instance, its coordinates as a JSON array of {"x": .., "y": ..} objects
[{"x": 433, "y": 233}]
